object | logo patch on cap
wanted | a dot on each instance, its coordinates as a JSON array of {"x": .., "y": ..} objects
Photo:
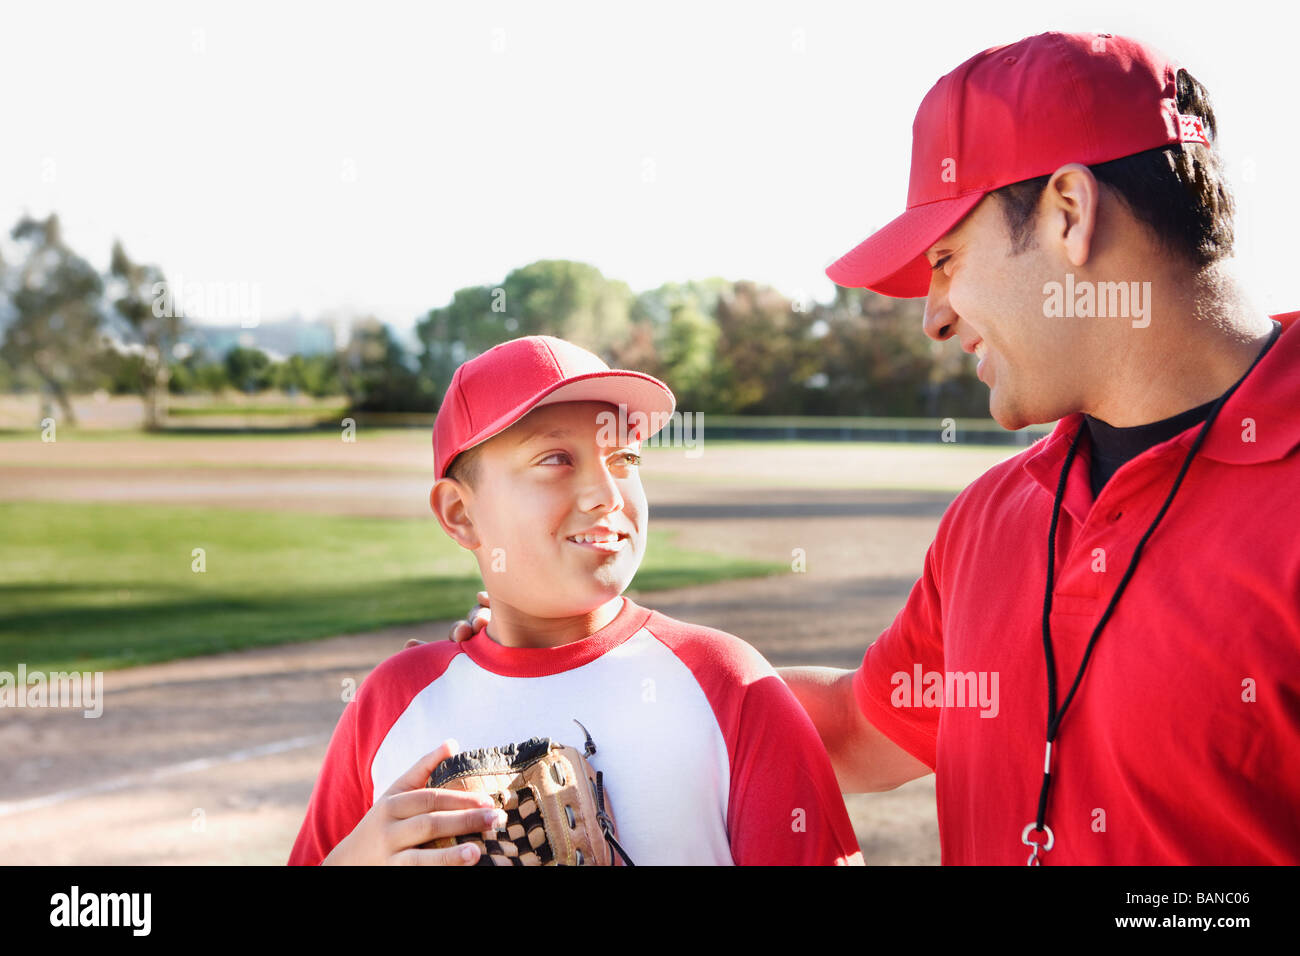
[{"x": 1191, "y": 130}]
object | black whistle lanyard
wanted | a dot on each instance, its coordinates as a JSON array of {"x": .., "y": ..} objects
[{"x": 1054, "y": 717}]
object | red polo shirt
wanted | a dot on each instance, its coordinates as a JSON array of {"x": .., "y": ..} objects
[{"x": 1182, "y": 744}]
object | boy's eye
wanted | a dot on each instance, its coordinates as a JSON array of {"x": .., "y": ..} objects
[{"x": 563, "y": 458}]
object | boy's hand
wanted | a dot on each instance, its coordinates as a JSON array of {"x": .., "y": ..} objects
[
  {"x": 477, "y": 619},
  {"x": 409, "y": 815}
]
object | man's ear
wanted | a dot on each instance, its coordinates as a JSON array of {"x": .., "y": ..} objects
[
  {"x": 448, "y": 499},
  {"x": 1072, "y": 196}
]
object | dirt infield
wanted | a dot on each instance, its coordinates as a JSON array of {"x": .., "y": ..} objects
[{"x": 212, "y": 760}]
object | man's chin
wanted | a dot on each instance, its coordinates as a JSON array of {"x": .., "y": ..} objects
[
  {"x": 1011, "y": 424},
  {"x": 1001, "y": 414},
  {"x": 1010, "y": 416}
]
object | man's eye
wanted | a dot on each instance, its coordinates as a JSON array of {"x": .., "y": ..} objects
[
  {"x": 939, "y": 264},
  {"x": 558, "y": 457},
  {"x": 631, "y": 458}
]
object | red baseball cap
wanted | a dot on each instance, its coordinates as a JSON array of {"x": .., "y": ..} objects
[
  {"x": 490, "y": 393},
  {"x": 1012, "y": 113}
]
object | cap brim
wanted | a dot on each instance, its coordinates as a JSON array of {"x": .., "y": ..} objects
[
  {"x": 637, "y": 390},
  {"x": 891, "y": 260},
  {"x": 646, "y": 399},
  {"x": 644, "y": 395}
]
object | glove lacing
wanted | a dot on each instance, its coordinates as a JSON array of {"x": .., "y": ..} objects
[{"x": 606, "y": 824}]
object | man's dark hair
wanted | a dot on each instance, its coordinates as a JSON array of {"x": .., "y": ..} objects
[{"x": 1179, "y": 191}]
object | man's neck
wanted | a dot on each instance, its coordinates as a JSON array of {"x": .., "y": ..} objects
[
  {"x": 1201, "y": 340},
  {"x": 512, "y": 627}
]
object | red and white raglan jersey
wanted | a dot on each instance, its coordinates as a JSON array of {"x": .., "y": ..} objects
[{"x": 707, "y": 756}]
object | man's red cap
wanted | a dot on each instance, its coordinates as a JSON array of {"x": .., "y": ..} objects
[
  {"x": 1012, "y": 113},
  {"x": 490, "y": 393}
]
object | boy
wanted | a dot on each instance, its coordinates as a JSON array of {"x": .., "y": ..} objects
[{"x": 706, "y": 755}]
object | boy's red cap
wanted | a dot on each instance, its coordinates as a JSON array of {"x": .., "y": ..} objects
[
  {"x": 490, "y": 393},
  {"x": 1012, "y": 113}
]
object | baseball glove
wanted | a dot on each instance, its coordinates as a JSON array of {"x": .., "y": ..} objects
[{"x": 555, "y": 803}]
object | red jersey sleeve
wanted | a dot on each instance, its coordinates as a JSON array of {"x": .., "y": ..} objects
[
  {"x": 915, "y": 638},
  {"x": 340, "y": 798},
  {"x": 786, "y": 807},
  {"x": 343, "y": 792},
  {"x": 784, "y": 803}
]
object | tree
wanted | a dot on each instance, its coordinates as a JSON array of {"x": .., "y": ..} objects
[
  {"x": 473, "y": 322},
  {"x": 571, "y": 300},
  {"x": 765, "y": 354},
  {"x": 248, "y": 369},
  {"x": 878, "y": 361},
  {"x": 317, "y": 375},
  {"x": 52, "y": 297},
  {"x": 381, "y": 376},
  {"x": 675, "y": 337},
  {"x": 143, "y": 301}
]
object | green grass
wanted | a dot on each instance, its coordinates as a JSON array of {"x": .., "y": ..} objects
[{"x": 97, "y": 587}]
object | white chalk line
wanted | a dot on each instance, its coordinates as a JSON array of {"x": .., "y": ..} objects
[{"x": 158, "y": 773}]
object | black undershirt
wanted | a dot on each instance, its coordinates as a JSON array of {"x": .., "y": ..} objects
[{"x": 1112, "y": 447}]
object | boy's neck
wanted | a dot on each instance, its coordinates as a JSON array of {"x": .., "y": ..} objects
[{"x": 512, "y": 627}]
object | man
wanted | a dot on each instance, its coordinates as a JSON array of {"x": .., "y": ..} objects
[
  {"x": 1069, "y": 223},
  {"x": 1045, "y": 174}
]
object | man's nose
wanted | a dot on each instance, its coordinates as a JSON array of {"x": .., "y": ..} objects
[{"x": 939, "y": 317}]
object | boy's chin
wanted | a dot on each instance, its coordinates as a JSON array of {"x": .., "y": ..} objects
[
  {"x": 596, "y": 599},
  {"x": 577, "y": 601}
]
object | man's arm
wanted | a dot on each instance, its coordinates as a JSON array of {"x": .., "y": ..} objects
[{"x": 865, "y": 760}]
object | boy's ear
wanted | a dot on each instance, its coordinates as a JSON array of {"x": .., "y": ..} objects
[{"x": 448, "y": 499}]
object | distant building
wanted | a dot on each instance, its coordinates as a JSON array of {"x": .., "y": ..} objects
[{"x": 293, "y": 336}]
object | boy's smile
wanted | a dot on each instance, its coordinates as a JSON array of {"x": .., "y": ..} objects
[{"x": 600, "y": 539}]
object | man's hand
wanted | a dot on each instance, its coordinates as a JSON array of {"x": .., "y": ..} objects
[
  {"x": 409, "y": 815},
  {"x": 475, "y": 621}
]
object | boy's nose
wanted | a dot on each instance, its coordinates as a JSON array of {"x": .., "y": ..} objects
[{"x": 601, "y": 493}]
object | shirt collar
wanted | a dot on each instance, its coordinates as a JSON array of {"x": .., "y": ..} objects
[
  {"x": 1258, "y": 424},
  {"x": 543, "y": 661}
]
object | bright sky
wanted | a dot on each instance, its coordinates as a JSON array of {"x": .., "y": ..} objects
[{"x": 376, "y": 157}]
